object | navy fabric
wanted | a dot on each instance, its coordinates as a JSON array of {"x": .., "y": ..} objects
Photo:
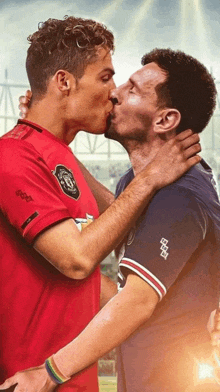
[{"x": 174, "y": 247}]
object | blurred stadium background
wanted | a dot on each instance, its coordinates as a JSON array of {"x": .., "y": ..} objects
[
  {"x": 107, "y": 161},
  {"x": 139, "y": 26}
]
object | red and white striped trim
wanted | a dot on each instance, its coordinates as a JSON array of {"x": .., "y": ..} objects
[{"x": 151, "y": 279}]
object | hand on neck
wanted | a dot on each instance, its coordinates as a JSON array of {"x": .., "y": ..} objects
[{"x": 142, "y": 154}]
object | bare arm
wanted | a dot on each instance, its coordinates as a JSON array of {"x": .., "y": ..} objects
[
  {"x": 108, "y": 290},
  {"x": 70, "y": 254},
  {"x": 128, "y": 309},
  {"x": 102, "y": 194},
  {"x": 76, "y": 254}
]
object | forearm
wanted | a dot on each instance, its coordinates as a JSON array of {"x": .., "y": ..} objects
[
  {"x": 77, "y": 254},
  {"x": 102, "y": 194},
  {"x": 124, "y": 313},
  {"x": 114, "y": 324},
  {"x": 108, "y": 290},
  {"x": 105, "y": 233}
]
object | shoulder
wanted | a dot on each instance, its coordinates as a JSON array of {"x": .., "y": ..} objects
[
  {"x": 18, "y": 157},
  {"x": 174, "y": 195},
  {"x": 11, "y": 149},
  {"x": 174, "y": 206},
  {"x": 196, "y": 187}
]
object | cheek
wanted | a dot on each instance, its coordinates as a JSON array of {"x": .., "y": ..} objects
[
  {"x": 131, "y": 106},
  {"x": 134, "y": 102},
  {"x": 100, "y": 98}
]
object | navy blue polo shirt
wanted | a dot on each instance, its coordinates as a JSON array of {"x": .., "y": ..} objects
[{"x": 174, "y": 247}]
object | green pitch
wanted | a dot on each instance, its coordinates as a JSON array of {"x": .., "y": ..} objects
[{"x": 107, "y": 384}]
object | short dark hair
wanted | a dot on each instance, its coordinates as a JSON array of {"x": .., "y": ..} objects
[
  {"x": 189, "y": 87},
  {"x": 69, "y": 44}
]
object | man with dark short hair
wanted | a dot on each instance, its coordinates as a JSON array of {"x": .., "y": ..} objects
[
  {"x": 50, "y": 247},
  {"x": 168, "y": 263}
]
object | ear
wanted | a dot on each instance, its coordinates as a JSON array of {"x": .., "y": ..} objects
[
  {"x": 64, "y": 81},
  {"x": 167, "y": 120}
]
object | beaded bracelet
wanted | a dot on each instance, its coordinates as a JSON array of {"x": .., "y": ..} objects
[{"x": 53, "y": 371}]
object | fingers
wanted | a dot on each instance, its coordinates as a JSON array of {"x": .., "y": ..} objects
[
  {"x": 190, "y": 140},
  {"x": 184, "y": 135},
  {"x": 28, "y": 94},
  {"x": 8, "y": 383},
  {"x": 24, "y": 101},
  {"x": 192, "y": 161},
  {"x": 193, "y": 150},
  {"x": 190, "y": 146},
  {"x": 23, "y": 111}
]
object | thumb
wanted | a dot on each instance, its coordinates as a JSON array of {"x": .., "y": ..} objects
[
  {"x": 8, "y": 383},
  {"x": 28, "y": 94}
]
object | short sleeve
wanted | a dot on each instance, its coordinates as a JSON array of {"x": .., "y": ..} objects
[
  {"x": 165, "y": 238},
  {"x": 29, "y": 195}
]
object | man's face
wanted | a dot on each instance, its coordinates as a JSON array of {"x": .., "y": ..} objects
[
  {"x": 91, "y": 98},
  {"x": 136, "y": 104}
]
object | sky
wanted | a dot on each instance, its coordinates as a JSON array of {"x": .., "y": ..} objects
[{"x": 138, "y": 25}]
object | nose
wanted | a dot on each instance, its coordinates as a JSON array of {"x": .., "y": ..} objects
[
  {"x": 114, "y": 100},
  {"x": 113, "y": 97}
]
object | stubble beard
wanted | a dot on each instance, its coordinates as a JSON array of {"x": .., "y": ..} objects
[{"x": 112, "y": 134}]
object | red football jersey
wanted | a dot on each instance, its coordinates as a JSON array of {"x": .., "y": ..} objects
[{"x": 41, "y": 310}]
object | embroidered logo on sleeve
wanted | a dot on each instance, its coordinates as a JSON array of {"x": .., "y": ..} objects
[
  {"x": 66, "y": 181},
  {"x": 164, "y": 248}
]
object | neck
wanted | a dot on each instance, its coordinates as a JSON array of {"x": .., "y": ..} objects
[
  {"x": 50, "y": 115},
  {"x": 142, "y": 154}
]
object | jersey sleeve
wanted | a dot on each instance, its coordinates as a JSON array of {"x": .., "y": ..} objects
[
  {"x": 165, "y": 238},
  {"x": 29, "y": 195}
]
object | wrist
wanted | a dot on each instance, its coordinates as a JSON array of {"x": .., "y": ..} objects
[
  {"x": 54, "y": 372},
  {"x": 146, "y": 181}
]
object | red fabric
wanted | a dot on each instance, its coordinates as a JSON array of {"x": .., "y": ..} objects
[{"x": 40, "y": 309}]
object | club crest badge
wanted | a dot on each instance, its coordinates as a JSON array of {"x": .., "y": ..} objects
[{"x": 66, "y": 181}]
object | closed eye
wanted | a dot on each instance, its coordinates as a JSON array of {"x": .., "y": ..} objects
[{"x": 106, "y": 78}]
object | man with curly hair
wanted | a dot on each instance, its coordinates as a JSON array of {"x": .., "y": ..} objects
[{"x": 50, "y": 246}]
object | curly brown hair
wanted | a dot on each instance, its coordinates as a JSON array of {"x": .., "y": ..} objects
[
  {"x": 69, "y": 44},
  {"x": 188, "y": 87}
]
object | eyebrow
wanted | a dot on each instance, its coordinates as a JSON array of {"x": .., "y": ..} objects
[{"x": 108, "y": 70}]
